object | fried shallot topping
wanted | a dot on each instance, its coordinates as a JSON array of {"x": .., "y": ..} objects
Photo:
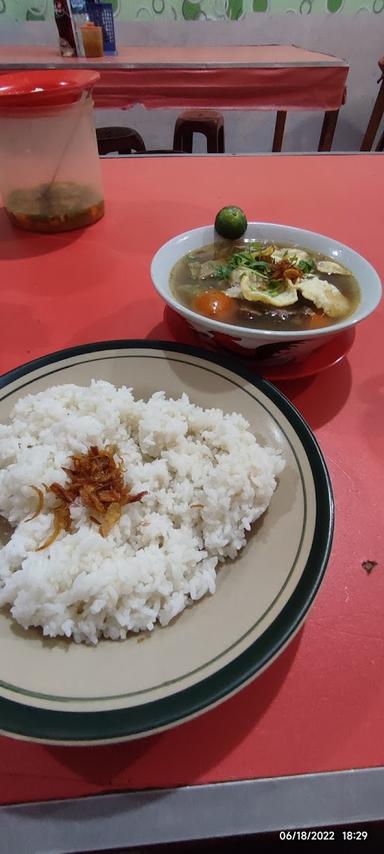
[{"x": 98, "y": 481}]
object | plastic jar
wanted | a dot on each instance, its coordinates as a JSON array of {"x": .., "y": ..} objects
[{"x": 50, "y": 176}]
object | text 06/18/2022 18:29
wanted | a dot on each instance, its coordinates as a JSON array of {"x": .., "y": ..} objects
[{"x": 323, "y": 835}]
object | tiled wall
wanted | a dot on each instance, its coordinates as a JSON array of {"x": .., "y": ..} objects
[{"x": 193, "y": 10}]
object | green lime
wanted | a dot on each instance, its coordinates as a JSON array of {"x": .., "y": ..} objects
[{"x": 231, "y": 222}]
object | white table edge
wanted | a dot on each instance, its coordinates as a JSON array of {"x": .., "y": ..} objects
[
  {"x": 190, "y": 813},
  {"x": 116, "y": 65}
]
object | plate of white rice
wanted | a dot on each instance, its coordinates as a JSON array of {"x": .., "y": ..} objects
[{"x": 209, "y": 563}]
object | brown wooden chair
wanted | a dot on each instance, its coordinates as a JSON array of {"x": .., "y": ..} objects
[
  {"x": 210, "y": 123},
  {"x": 376, "y": 116},
  {"x": 121, "y": 140},
  {"x": 380, "y": 144}
]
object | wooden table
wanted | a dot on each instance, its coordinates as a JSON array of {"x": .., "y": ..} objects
[
  {"x": 257, "y": 77},
  {"x": 280, "y": 753}
]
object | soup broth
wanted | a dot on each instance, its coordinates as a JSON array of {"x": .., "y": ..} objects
[{"x": 265, "y": 286}]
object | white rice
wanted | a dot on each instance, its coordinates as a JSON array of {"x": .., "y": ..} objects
[{"x": 163, "y": 553}]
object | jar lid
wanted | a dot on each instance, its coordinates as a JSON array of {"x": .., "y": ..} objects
[{"x": 54, "y": 88}]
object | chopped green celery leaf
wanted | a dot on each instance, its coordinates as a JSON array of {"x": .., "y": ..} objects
[
  {"x": 245, "y": 258},
  {"x": 306, "y": 266},
  {"x": 222, "y": 272},
  {"x": 261, "y": 265},
  {"x": 276, "y": 286}
]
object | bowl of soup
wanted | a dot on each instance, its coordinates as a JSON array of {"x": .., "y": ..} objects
[{"x": 275, "y": 294}]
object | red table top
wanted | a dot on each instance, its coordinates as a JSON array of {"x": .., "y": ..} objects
[
  {"x": 320, "y": 705},
  {"x": 236, "y": 76}
]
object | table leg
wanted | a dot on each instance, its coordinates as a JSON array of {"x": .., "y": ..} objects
[
  {"x": 328, "y": 130},
  {"x": 380, "y": 144},
  {"x": 374, "y": 121},
  {"x": 279, "y": 130}
]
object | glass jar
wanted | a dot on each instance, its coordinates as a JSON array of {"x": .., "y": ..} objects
[
  {"x": 50, "y": 176},
  {"x": 92, "y": 40}
]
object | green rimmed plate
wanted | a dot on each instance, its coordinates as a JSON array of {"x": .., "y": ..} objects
[{"x": 59, "y": 692}]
